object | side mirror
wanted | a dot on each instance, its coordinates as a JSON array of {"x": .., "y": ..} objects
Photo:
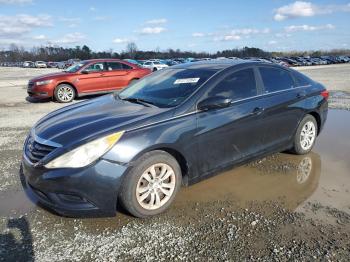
[
  {"x": 85, "y": 72},
  {"x": 213, "y": 103}
]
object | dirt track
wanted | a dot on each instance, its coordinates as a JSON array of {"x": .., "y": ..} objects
[{"x": 282, "y": 207}]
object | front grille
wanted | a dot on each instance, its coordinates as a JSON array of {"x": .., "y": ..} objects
[
  {"x": 30, "y": 85},
  {"x": 36, "y": 151}
]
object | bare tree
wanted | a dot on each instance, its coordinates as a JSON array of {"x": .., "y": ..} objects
[{"x": 131, "y": 50}]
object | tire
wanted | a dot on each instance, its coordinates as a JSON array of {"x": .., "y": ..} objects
[
  {"x": 154, "y": 69},
  {"x": 144, "y": 199},
  {"x": 64, "y": 93},
  {"x": 305, "y": 136}
]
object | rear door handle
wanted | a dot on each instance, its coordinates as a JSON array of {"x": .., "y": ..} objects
[
  {"x": 257, "y": 110},
  {"x": 301, "y": 94}
]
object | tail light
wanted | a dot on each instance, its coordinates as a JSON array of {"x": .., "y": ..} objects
[{"x": 325, "y": 94}]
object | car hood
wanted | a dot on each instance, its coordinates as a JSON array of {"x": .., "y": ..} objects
[
  {"x": 49, "y": 76},
  {"x": 85, "y": 121}
]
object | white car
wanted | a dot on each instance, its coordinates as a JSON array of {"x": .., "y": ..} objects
[
  {"x": 40, "y": 64},
  {"x": 154, "y": 65},
  {"x": 27, "y": 64}
]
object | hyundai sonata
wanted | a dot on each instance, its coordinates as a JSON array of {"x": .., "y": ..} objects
[{"x": 174, "y": 127}]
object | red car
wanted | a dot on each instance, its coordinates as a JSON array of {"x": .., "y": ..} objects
[{"x": 86, "y": 78}]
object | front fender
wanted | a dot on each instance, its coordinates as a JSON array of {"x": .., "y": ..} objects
[{"x": 176, "y": 134}]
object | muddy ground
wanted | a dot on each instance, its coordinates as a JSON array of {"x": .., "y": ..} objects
[{"x": 282, "y": 207}]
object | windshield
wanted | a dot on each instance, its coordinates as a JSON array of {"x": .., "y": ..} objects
[
  {"x": 75, "y": 67},
  {"x": 168, "y": 87}
]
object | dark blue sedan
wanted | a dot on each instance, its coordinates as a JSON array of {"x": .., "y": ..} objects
[{"x": 174, "y": 127}]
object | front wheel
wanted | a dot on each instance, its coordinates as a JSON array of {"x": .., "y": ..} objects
[
  {"x": 64, "y": 93},
  {"x": 151, "y": 185},
  {"x": 305, "y": 136}
]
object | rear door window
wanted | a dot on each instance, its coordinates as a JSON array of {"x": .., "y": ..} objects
[
  {"x": 96, "y": 67},
  {"x": 276, "y": 79},
  {"x": 125, "y": 66},
  {"x": 114, "y": 66},
  {"x": 238, "y": 85}
]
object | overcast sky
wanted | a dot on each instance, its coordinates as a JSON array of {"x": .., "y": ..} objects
[{"x": 189, "y": 25}]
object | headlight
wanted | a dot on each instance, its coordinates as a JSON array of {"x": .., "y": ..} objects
[
  {"x": 85, "y": 154},
  {"x": 45, "y": 82}
]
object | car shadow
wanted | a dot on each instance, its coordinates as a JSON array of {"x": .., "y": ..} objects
[
  {"x": 16, "y": 243},
  {"x": 36, "y": 100}
]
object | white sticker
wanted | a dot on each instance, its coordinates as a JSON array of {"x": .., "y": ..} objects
[{"x": 186, "y": 81}]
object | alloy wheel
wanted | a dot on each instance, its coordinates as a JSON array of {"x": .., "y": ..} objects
[
  {"x": 307, "y": 135},
  {"x": 155, "y": 186},
  {"x": 65, "y": 93}
]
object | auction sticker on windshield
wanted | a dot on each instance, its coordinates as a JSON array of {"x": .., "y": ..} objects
[{"x": 186, "y": 81}]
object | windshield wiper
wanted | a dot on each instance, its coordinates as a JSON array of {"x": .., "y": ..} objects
[{"x": 138, "y": 101}]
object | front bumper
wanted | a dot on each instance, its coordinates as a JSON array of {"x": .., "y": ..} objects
[
  {"x": 44, "y": 91},
  {"x": 90, "y": 191}
]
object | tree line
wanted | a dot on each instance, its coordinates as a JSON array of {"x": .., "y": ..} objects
[{"x": 17, "y": 53}]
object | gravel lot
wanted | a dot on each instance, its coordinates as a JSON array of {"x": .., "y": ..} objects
[{"x": 282, "y": 207}]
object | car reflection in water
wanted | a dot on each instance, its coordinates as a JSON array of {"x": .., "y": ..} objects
[{"x": 288, "y": 179}]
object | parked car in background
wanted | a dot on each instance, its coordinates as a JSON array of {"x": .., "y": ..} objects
[
  {"x": 85, "y": 78},
  {"x": 61, "y": 65},
  {"x": 28, "y": 64},
  {"x": 154, "y": 65},
  {"x": 175, "y": 127},
  {"x": 40, "y": 64}
]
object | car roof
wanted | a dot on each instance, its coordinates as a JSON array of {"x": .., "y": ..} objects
[
  {"x": 105, "y": 60},
  {"x": 109, "y": 60},
  {"x": 217, "y": 65}
]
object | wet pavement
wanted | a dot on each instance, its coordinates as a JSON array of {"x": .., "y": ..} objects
[{"x": 296, "y": 192}]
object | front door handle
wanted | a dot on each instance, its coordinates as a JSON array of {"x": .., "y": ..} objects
[{"x": 258, "y": 110}]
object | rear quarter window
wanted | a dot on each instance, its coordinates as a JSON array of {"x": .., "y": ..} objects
[
  {"x": 301, "y": 80},
  {"x": 125, "y": 66},
  {"x": 276, "y": 79}
]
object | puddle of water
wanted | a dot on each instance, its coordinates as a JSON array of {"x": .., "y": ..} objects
[
  {"x": 284, "y": 177},
  {"x": 15, "y": 202},
  {"x": 322, "y": 176}
]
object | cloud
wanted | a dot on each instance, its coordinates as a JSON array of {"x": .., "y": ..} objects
[
  {"x": 121, "y": 40},
  {"x": 39, "y": 37},
  {"x": 69, "y": 19},
  {"x": 92, "y": 9},
  {"x": 15, "y": 2},
  {"x": 152, "y": 30},
  {"x": 71, "y": 38},
  {"x": 20, "y": 24},
  {"x": 198, "y": 34},
  {"x": 272, "y": 42},
  {"x": 157, "y": 21},
  {"x": 295, "y": 28},
  {"x": 307, "y": 9},
  {"x": 227, "y": 38},
  {"x": 101, "y": 18},
  {"x": 238, "y": 34},
  {"x": 296, "y": 9}
]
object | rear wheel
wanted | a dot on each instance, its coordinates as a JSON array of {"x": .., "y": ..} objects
[
  {"x": 305, "y": 136},
  {"x": 151, "y": 185},
  {"x": 64, "y": 93}
]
